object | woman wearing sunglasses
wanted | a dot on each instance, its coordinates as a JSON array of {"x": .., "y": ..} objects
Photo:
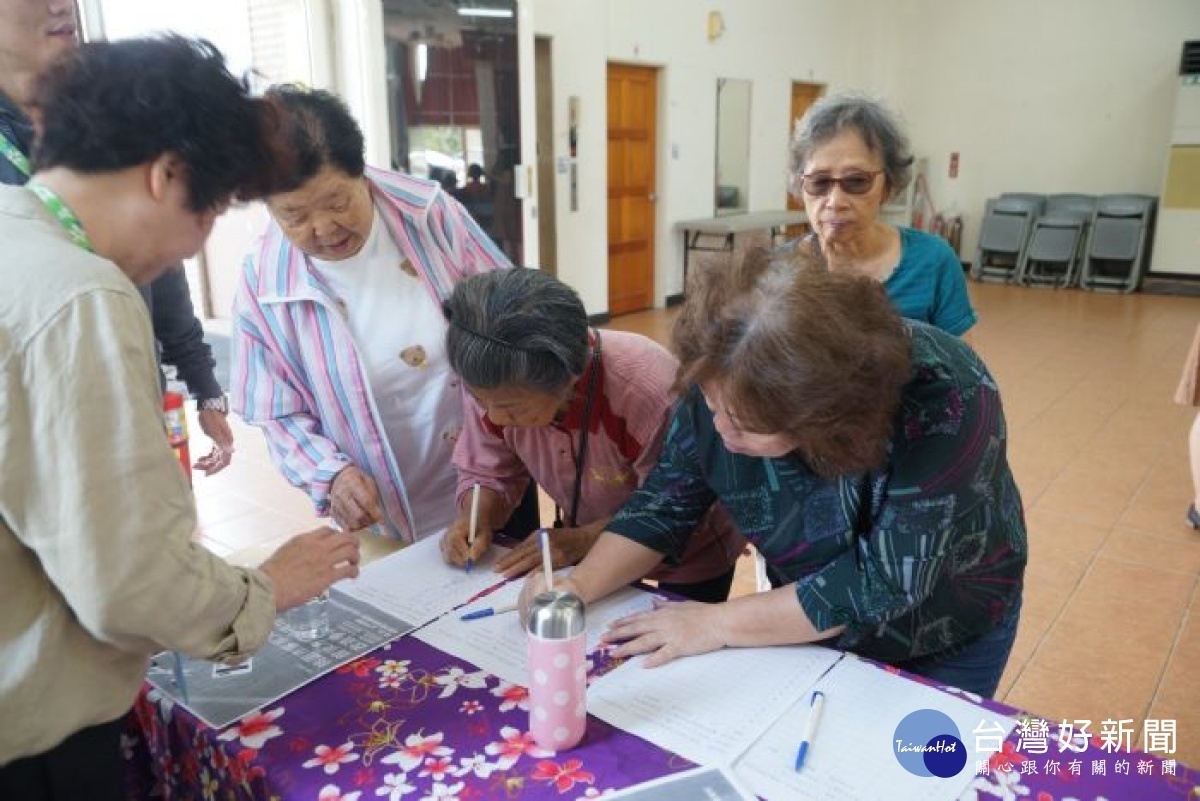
[{"x": 849, "y": 156}]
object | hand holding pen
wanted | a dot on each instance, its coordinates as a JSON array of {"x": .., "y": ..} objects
[
  {"x": 468, "y": 540},
  {"x": 568, "y": 546},
  {"x": 472, "y": 525}
]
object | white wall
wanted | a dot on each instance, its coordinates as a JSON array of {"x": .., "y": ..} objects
[
  {"x": 1038, "y": 95},
  {"x": 771, "y": 42},
  {"x": 578, "y": 54}
]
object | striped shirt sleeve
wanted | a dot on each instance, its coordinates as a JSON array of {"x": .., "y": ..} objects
[{"x": 262, "y": 394}]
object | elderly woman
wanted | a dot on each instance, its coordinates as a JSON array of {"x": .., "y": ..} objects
[
  {"x": 581, "y": 414},
  {"x": 862, "y": 455},
  {"x": 338, "y": 329},
  {"x": 849, "y": 156}
]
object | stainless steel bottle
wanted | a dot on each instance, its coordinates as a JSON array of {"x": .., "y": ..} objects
[{"x": 557, "y": 636}]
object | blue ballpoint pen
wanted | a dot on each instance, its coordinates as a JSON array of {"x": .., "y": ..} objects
[
  {"x": 815, "y": 705},
  {"x": 488, "y": 611}
]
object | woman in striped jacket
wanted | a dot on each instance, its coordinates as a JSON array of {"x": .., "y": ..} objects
[{"x": 338, "y": 330}]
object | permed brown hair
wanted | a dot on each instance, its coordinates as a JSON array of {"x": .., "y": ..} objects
[{"x": 819, "y": 357}]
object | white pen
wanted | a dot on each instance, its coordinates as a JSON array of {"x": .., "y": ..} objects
[
  {"x": 472, "y": 523},
  {"x": 815, "y": 705}
]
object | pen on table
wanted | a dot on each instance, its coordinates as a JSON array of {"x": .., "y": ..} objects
[
  {"x": 180, "y": 680},
  {"x": 473, "y": 522},
  {"x": 489, "y": 611},
  {"x": 815, "y": 705}
]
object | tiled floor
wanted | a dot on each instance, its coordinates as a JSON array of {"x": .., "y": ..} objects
[{"x": 1111, "y": 623}]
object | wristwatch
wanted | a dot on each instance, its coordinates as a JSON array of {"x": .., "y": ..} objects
[{"x": 217, "y": 404}]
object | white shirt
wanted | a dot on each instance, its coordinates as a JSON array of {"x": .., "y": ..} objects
[{"x": 400, "y": 334}]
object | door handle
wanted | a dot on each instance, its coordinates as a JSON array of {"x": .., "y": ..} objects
[{"x": 652, "y": 197}]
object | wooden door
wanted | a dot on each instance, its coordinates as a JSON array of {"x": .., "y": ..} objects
[
  {"x": 547, "y": 217},
  {"x": 803, "y": 96},
  {"x": 632, "y": 117}
]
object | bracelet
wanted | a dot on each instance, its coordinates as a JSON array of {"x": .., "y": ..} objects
[{"x": 218, "y": 404}]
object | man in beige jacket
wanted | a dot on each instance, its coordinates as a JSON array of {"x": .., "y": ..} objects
[{"x": 142, "y": 144}]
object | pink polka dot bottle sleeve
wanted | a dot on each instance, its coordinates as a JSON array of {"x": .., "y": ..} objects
[{"x": 556, "y": 638}]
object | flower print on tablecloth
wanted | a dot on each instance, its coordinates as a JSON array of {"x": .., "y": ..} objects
[
  {"x": 442, "y": 730},
  {"x": 513, "y": 745},
  {"x": 360, "y": 667},
  {"x": 476, "y": 764},
  {"x": 1005, "y": 785},
  {"x": 331, "y": 792},
  {"x": 593, "y": 792},
  {"x": 514, "y": 696},
  {"x": 437, "y": 768},
  {"x": 392, "y": 672},
  {"x": 444, "y": 792},
  {"x": 254, "y": 729},
  {"x": 415, "y": 749},
  {"x": 395, "y": 786},
  {"x": 456, "y": 677},
  {"x": 331, "y": 758},
  {"x": 564, "y": 776}
]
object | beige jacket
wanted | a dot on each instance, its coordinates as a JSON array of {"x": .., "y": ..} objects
[{"x": 97, "y": 567}]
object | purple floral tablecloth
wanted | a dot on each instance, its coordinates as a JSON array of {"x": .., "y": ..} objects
[
  {"x": 411, "y": 722},
  {"x": 405, "y": 722}
]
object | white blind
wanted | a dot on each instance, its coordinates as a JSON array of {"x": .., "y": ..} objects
[{"x": 280, "y": 45}]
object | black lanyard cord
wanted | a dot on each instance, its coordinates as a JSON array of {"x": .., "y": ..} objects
[{"x": 588, "y": 402}]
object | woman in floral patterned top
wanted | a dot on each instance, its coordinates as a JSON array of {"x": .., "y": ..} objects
[{"x": 863, "y": 455}]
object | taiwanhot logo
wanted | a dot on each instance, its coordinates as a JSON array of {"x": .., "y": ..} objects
[{"x": 927, "y": 743}]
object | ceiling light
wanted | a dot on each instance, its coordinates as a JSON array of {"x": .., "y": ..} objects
[{"x": 502, "y": 13}]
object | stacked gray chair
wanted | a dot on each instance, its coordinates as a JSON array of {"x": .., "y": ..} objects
[
  {"x": 1118, "y": 244},
  {"x": 1007, "y": 221},
  {"x": 1056, "y": 241},
  {"x": 1032, "y": 197}
]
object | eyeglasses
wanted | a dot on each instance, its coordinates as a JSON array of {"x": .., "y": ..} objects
[{"x": 855, "y": 182}]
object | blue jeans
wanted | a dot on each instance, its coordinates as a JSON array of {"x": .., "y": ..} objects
[{"x": 977, "y": 666}]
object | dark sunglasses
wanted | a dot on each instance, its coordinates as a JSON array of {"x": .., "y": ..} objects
[{"x": 855, "y": 182}]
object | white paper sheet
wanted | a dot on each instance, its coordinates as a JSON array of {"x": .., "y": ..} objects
[
  {"x": 497, "y": 644},
  {"x": 852, "y": 754},
  {"x": 712, "y": 707},
  {"x": 416, "y": 585}
]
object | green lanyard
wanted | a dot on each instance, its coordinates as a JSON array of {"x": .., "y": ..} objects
[
  {"x": 14, "y": 155},
  {"x": 55, "y": 205}
]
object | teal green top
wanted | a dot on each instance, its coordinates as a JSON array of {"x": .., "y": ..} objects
[
  {"x": 928, "y": 283},
  {"x": 937, "y": 554}
]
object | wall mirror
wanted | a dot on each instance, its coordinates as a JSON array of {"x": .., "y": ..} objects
[{"x": 732, "y": 191}]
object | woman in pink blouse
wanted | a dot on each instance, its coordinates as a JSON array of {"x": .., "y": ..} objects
[{"x": 583, "y": 415}]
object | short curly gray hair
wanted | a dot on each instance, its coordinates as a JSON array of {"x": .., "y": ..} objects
[
  {"x": 879, "y": 127},
  {"x": 516, "y": 328}
]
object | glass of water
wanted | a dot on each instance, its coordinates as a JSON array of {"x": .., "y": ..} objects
[{"x": 310, "y": 620}]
